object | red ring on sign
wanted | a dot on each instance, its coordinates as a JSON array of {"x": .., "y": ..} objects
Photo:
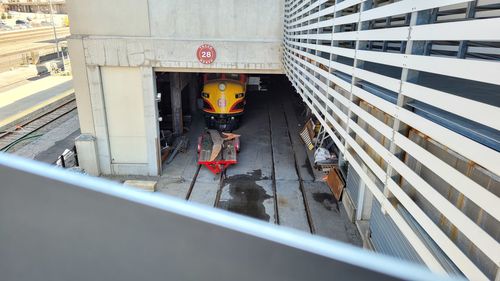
[{"x": 206, "y": 54}]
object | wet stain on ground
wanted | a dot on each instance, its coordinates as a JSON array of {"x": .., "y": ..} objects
[
  {"x": 52, "y": 153},
  {"x": 327, "y": 200},
  {"x": 247, "y": 197}
]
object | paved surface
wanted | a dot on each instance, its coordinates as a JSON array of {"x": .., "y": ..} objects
[
  {"x": 53, "y": 141},
  {"x": 17, "y": 77},
  {"x": 15, "y": 44},
  {"x": 273, "y": 180},
  {"x": 28, "y": 97}
]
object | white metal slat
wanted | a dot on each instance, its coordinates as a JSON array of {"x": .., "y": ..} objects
[
  {"x": 381, "y": 57},
  {"x": 469, "y": 269},
  {"x": 463, "y": 184},
  {"x": 472, "y": 231},
  {"x": 341, "y": 6},
  {"x": 470, "y": 49},
  {"x": 318, "y": 36},
  {"x": 467, "y": 108},
  {"x": 460, "y": 259},
  {"x": 478, "y": 70},
  {"x": 386, "y": 34},
  {"x": 479, "y": 195},
  {"x": 296, "y": 8},
  {"x": 347, "y": 19},
  {"x": 474, "y": 30},
  {"x": 482, "y": 155},
  {"x": 368, "y": 76},
  {"x": 470, "y": 109},
  {"x": 378, "y": 79},
  {"x": 475, "y": 192},
  {"x": 487, "y": 244},
  {"x": 315, "y": 25},
  {"x": 347, "y": 3},
  {"x": 333, "y": 65},
  {"x": 316, "y": 15},
  {"x": 406, "y": 6},
  {"x": 472, "y": 150}
]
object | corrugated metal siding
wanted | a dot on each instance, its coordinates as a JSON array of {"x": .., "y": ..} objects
[
  {"x": 447, "y": 264},
  {"x": 353, "y": 181},
  {"x": 473, "y": 130},
  {"x": 387, "y": 238}
]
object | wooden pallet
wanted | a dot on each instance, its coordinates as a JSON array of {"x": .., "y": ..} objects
[{"x": 307, "y": 134}]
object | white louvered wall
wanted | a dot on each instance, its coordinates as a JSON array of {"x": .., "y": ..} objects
[{"x": 412, "y": 88}]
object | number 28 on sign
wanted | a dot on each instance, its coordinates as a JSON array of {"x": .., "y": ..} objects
[{"x": 206, "y": 54}]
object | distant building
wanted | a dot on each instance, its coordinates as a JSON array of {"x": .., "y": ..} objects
[
  {"x": 2, "y": 5},
  {"x": 35, "y": 6}
]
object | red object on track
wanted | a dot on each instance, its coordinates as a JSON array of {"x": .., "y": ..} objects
[{"x": 225, "y": 158}]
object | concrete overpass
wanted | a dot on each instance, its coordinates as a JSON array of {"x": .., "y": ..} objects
[
  {"x": 110, "y": 47},
  {"x": 408, "y": 91}
]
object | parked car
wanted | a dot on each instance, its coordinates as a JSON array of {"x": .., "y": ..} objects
[
  {"x": 4, "y": 26},
  {"x": 23, "y": 24}
]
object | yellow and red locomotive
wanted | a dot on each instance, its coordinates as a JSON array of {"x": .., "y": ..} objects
[{"x": 224, "y": 98}]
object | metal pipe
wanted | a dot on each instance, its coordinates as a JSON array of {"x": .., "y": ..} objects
[{"x": 59, "y": 55}]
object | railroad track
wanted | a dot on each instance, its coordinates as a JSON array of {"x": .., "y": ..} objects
[
  {"x": 32, "y": 34},
  {"x": 27, "y": 129}
]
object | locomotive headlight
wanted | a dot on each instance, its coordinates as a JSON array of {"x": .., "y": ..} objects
[
  {"x": 240, "y": 95},
  {"x": 222, "y": 86}
]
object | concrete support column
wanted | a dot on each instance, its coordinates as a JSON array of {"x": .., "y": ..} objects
[
  {"x": 176, "y": 103},
  {"x": 151, "y": 123},
  {"x": 87, "y": 154},
  {"x": 81, "y": 86},
  {"x": 100, "y": 121},
  {"x": 193, "y": 94}
]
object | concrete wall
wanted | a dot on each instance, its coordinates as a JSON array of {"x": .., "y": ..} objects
[
  {"x": 125, "y": 114},
  {"x": 247, "y": 35},
  {"x": 81, "y": 86},
  {"x": 110, "y": 17},
  {"x": 260, "y": 20}
]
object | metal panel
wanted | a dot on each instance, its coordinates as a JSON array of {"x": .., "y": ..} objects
[
  {"x": 478, "y": 132},
  {"x": 440, "y": 255},
  {"x": 353, "y": 183},
  {"x": 58, "y": 225},
  {"x": 387, "y": 238},
  {"x": 125, "y": 114}
]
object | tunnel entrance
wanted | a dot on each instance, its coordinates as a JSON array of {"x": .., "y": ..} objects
[
  {"x": 274, "y": 178},
  {"x": 181, "y": 99}
]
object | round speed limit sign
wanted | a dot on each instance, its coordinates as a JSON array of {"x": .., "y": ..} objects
[{"x": 206, "y": 54}]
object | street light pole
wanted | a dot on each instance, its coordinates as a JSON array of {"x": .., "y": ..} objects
[{"x": 59, "y": 55}]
